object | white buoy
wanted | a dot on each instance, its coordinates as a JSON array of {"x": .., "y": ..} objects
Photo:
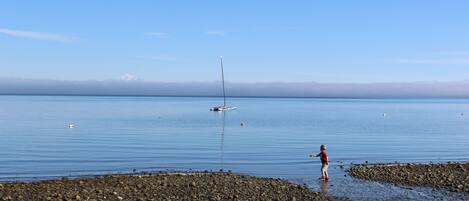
[
  {"x": 71, "y": 125},
  {"x": 384, "y": 115}
]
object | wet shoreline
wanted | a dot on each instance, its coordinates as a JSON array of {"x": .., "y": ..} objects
[
  {"x": 207, "y": 185},
  {"x": 452, "y": 176},
  {"x": 160, "y": 186}
]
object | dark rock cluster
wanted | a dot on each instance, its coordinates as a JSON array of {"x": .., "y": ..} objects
[
  {"x": 163, "y": 186},
  {"x": 450, "y": 176}
]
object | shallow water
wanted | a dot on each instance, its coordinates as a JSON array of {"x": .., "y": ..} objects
[{"x": 119, "y": 134}]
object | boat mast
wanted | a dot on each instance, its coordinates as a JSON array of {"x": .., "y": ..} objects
[{"x": 223, "y": 81}]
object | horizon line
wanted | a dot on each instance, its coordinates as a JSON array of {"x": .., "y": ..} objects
[{"x": 235, "y": 82}]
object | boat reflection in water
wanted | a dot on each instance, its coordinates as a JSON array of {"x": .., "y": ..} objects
[{"x": 222, "y": 139}]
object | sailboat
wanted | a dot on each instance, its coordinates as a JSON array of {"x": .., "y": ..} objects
[{"x": 223, "y": 107}]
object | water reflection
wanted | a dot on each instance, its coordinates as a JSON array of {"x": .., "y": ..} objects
[
  {"x": 324, "y": 187},
  {"x": 222, "y": 139}
]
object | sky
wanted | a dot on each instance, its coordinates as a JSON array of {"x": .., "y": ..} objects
[{"x": 260, "y": 41}]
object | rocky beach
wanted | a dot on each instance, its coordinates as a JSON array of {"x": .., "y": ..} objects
[
  {"x": 449, "y": 176},
  {"x": 162, "y": 186}
]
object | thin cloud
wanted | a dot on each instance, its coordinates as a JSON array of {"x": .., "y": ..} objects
[
  {"x": 129, "y": 77},
  {"x": 440, "y": 61},
  {"x": 158, "y": 34},
  {"x": 36, "y": 35},
  {"x": 215, "y": 33},
  {"x": 160, "y": 57},
  {"x": 291, "y": 27},
  {"x": 277, "y": 28},
  {"x": 455, "y": 53}
]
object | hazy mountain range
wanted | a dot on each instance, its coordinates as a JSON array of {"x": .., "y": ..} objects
[{"x": 17, "y": 86}]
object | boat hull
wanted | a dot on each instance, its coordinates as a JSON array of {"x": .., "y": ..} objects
[{"x": 222, "y": 108}]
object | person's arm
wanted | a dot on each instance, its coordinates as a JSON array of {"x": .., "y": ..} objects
[{"x": 317, "y": 155}]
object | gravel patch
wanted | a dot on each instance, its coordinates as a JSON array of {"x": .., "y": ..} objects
[
  {"x": 162, "y": 186},
  {"x": 450, "y": 176}
]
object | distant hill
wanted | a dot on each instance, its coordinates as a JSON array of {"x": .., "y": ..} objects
[{"x": 277, "y": 89}]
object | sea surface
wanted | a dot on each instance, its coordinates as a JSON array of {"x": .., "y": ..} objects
[{"x": 123, "y": 134}]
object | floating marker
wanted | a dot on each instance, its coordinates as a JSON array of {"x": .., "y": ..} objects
[{"x": 71, "y": 125}]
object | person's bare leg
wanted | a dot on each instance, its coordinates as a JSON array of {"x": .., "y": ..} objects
[
  {"x": 326, "y": 172},
  {"x": 323, "y": 175}
]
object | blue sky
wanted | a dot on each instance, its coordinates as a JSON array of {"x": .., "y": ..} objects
[{"x": 261, "y": 41}]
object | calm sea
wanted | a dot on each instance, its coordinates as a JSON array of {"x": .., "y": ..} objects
[{"x": 119, "y": 134}]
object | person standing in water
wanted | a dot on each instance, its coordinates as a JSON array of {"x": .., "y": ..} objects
[{"x": 324, "y": 162}]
